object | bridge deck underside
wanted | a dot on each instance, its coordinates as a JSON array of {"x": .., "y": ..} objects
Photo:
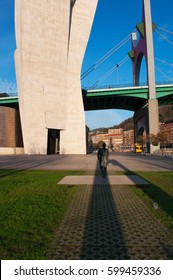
[
  {"x": 112, "y": 102},
  {"x": 126, "y": 99}
]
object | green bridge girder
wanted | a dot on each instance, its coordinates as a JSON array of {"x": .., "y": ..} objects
[
  {"x": 127, "y": 98},
  {"x": 11, "y": 101}
]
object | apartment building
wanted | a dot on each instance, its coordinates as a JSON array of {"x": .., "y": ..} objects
[
  {"x": 167, "y": 129},
  {"x": 113, "y": 139},
  {"x": 128, "y": 138}
]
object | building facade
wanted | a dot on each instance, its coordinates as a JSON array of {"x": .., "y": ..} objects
[
  {"x": 128, "y": 138},
  {"x": 167, "y": 130}
]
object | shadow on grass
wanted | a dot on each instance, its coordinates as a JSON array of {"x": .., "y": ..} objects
[
  {"x": 163, "y": 199},
  {"x": 154, "y": 192},
  {"x": 160, "y": 200},
  {"x": 158, "y": 197},
  {"x": 6, "y": 173}
]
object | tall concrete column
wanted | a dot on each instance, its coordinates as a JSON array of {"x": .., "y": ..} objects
[
  {"x": 144, "y": 47},
  {"x": 153, "y": 109},
  {"x": 51, "y": 38}
]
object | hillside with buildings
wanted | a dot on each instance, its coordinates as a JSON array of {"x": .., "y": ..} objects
[
  {"x": 166, "y": 114},
  {"x": 121, "y": 137},
  {"x": 115, "y": 138},
  {"x": 125, "y": 125}
]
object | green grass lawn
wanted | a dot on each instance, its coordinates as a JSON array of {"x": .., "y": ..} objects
[
  {"x": 32, "y": 206},
  {"x": 159, "y": 192}
]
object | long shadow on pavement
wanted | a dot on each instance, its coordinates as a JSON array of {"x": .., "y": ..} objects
[
  {"x": 110, "y": 222},
  {"x": 103, "y": 237},
  {"x": 116, "y": 163}
]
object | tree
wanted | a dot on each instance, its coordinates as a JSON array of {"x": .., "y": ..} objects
[
  {"x": 142, "y": 139},
  {"x": 161, "y": 137},
  {"x": 153, "y": 139}
]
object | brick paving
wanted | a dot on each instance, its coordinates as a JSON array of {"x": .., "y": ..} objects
[{"x": 110, "y": 222}]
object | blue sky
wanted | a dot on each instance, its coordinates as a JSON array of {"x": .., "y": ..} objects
[
  {"x": 114, "y": 20},
  {"x": 7, "y": 47}
]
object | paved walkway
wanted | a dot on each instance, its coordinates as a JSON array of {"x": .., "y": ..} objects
[
  {"x": 110, "y": 222},
  {"x": 117, "y": 162}
]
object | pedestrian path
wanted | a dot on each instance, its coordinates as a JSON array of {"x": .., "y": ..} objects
[
  {"x": 110, "y": 222},
  {"x": 98, "y": 180}
]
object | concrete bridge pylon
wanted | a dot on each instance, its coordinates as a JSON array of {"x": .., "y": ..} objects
[
  {"x": 51, "y": 38},
  {"x": 144, "y": 48}
]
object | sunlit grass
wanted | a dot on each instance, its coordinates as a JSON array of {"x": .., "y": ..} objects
[
  {"x": 32, "y": 206},
  {"x": 158, "y": 193}
]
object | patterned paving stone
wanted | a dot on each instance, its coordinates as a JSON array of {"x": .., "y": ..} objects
[{"x": 110, "y": 222}]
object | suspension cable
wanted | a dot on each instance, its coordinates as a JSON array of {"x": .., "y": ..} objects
[
  {"x": 164, "y": 37},
  {"x": 165, "y": 62},
  {"x": 110, "y": 72},
  {"x": 101, "y": 60},
  {"x": 170, "y": 32},
  {"x": 106, "y": 56},
  {"x": 163, "y": 74}
]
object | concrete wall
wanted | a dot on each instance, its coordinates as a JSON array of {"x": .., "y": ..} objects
[
  {"x": 51, "y": 39},
  {"x": 10, "y": 128}
]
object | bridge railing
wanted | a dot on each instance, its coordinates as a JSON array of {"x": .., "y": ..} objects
[
  {"x": 122, "y": 85},
  {"x": 13, "y": 94}
]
